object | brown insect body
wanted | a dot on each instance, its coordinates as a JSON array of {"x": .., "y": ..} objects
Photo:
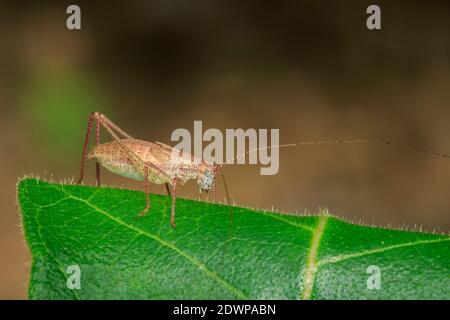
[
  {"x": 114, "y": 158},
  {"x": 143, "y": 160}
]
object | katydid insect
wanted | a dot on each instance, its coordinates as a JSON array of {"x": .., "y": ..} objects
[
  {"x": 159, "y": 163},
  {"x": 151, "y": 162}
]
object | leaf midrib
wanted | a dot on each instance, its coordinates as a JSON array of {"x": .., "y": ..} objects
[{"x": 312, "y": 263}]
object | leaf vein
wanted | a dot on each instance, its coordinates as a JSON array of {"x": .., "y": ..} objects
[
  {"x": 343, "y": 257},
  {"x": 191, "y": 259},
  {"x": 51, "y": 255}
]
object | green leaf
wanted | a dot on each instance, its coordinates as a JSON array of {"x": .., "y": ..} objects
[{"x": 258, "y": 256}]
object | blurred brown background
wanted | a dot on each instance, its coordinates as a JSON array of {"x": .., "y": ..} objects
[{"x": 310, "y": 68}]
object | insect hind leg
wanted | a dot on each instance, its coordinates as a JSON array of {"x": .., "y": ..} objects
[
  {"x": 97, "y": 142},
  {"x": 111, "y": 127},
  {"x": 85, "y": 146}
]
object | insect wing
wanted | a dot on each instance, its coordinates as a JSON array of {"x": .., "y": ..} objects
[
  {"x": 178, "y": 163},
  {"x": 177, "y": 154}
]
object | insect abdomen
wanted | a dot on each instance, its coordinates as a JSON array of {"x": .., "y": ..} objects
[
  {"x": 124, "y": 170},
  {"x": 115, "y": 159}
]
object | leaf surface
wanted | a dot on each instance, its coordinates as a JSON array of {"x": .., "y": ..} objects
[{"x": 258, "y": 256}]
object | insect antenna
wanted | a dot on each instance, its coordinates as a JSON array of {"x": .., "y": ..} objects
[
  {"x": 374, "y": 141},
  {"x": 345, "y": 141}
]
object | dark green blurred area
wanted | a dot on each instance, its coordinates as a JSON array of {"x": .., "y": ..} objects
[
  {"x": 310, "y": 68},
  {"x": 52, "y": 104}
]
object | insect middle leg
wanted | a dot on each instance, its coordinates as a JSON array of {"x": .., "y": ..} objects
[
  {"x": 147, "y": 166},
  {"x": 147, "y": 193},
  {"x": 168, "y": 189}
]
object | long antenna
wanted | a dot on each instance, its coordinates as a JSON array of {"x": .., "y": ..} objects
[
  {"x": 342, "y": 141},
  {"x": 321, "y": 142},
  {"x": 375, "y": 141}
]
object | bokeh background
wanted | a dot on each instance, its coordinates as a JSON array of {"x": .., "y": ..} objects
[{"x": 310, "y": 68}]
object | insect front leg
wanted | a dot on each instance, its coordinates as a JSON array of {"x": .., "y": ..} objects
[
  {"x": 174, "y": 199},
  {"x": 216, "y": 169}
]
